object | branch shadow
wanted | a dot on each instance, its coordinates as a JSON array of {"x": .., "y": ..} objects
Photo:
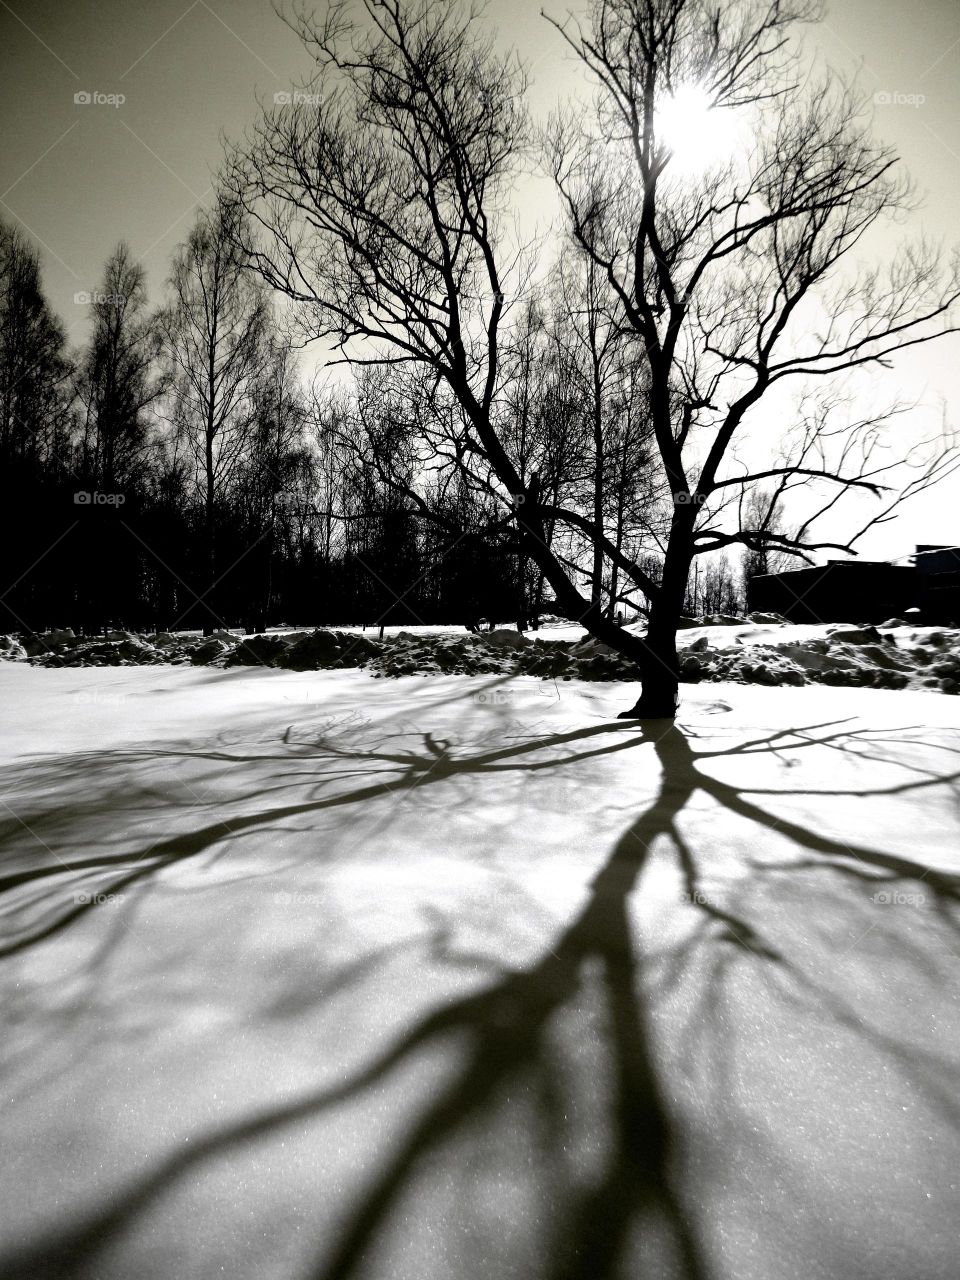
[{"x": 634, "y": 1207}]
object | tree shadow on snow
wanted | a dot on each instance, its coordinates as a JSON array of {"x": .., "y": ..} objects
[{"x": 632, "y": 1205}]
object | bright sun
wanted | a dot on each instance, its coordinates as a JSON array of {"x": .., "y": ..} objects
[{"x": 698, "y": 134}]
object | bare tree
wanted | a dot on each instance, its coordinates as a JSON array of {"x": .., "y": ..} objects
[
  {"x": 378, "y": 203},
  {"x": 214, "y": 334},
  {"x": 117, "y": 377},
  {"x": 617, "y": 481},
  {"x": 741, "y": 278},
  {"x": 34, "y": 367},
  {"x": 35, "y": 427},
  {"x": 264, "y": 485},
  {"x": 760, "y": 514}
]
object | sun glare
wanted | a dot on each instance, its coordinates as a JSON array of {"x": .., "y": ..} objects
[{"x": 698, "y": 134}]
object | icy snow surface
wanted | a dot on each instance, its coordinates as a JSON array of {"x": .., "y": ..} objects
[{"x": 309, "y": 974}]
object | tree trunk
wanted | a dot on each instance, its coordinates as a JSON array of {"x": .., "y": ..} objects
[
  {"x": 659, "y": 670},
  {"x": 596, "y": 576},
  {"x": 659, "y": 665},
  {"x": 208, "y": 615}
]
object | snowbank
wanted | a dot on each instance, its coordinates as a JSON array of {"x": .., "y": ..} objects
[{"x": 760, "y": 650}]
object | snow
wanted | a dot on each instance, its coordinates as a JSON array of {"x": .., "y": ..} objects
[
  {"x": 760, "y": 650},
  {"x": 310, "y": 974}
]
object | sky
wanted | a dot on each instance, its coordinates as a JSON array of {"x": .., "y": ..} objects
[{"x": 166, "y": 79}]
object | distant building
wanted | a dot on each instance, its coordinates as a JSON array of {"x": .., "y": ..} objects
[
  {"x": 938, "y": 583},
  {"x": 839, "y": 591},
  {"x": 864, "y": 590}
]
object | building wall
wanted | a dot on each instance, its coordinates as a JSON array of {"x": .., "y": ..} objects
[{"x": 842, "y": 591}]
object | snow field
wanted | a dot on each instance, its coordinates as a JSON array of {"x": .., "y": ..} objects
[{"x": 311, "y": 974}]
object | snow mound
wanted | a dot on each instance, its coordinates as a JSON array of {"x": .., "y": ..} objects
[
  {"x": 504, "y": 638},
  {"x": 12, "y": 649},
  {"x": 761, "y": 649}
]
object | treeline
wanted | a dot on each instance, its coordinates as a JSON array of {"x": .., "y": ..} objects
[{"x": 177, "y": 471}]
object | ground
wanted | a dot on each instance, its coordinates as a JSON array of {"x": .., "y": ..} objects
[{"x": 316, "y": 975}]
